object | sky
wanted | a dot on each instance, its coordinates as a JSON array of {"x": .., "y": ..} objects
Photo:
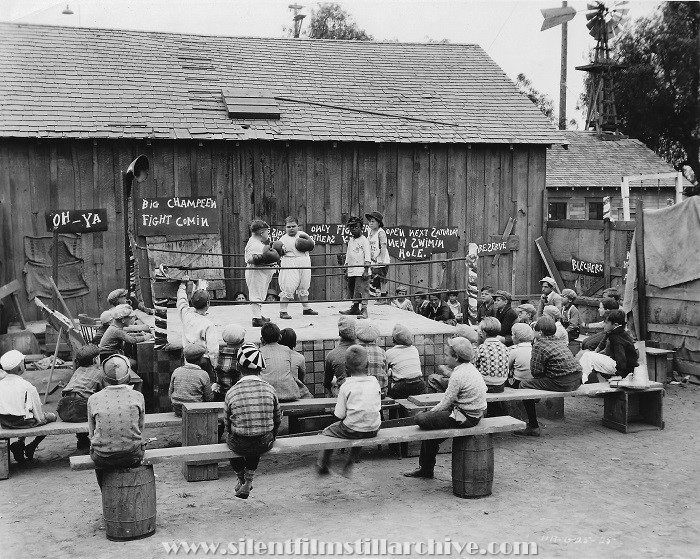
[{"x": 509, "y": 31}]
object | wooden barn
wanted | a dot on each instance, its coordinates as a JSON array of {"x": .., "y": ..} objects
[
  {"x": 588, "y": 168},
  {"x": 431, "y": 135}
]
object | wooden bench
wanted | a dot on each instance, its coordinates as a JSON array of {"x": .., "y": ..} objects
[
  {"x": 659, "y": 363},
  {"x": 624, "y": 410},
  {"x": 472, "y": 454},
  {"x": 153, "y": 420}
]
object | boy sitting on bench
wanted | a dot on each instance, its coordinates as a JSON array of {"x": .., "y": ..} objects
[
  {"x": 615, "y": 354},
  {"x": 252, "y": 418},
  {"x": 463, "y": 404},
  {"x": 358, "y": 408},
  {"x": 116, "y": 416},
  {"x": 87, "y": 380},
  {"x": 552, "y": 366},
  {"x": 437, "y": 382},
  {"x": 190, "y": 383},
  {"x": 20, "y": 406}
]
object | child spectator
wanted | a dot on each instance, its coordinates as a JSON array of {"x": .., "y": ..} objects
[
  {"x": 380, "y": 256},
  {"x": 437, "y": 310},
  {"x": 278, "y": 368},
  {"x": 455, "y": 305},
  {"x": 403, "y": 361},
  {"x": 463, "y": 404},
  {"x": 123, "y": 297},
  {"x": 570, "y": 317},
  {"x": 358, "y": 409},
  {"x": 259, "y": 272},
  {"x": 485, "y": 306},
  {"x": 552, "y": 367},
  {"x": 616, "y": 353},
  {"x": 240, "y": 297},
  {"x": 555, "y": 314},
  {"x": 420, "y": 302},
  {"x": 114, "y": 337},
  {"x": 87, "y": 380},
  {"x": 520, "y": 355},
  {"x": 550, "y": 294},
  {"x": 437, "y": 382},
  {"x": 591, "y": 342},
  {"x": 20, "y": 406},
  {"x": 492, "y": 356},
  {"x": 505, "y": 314},
  {"x": 226, "y": 369},
  {"x": 272, "y": 296},
  {"x": 252, "y": 418},
  {"x": 197, "y": 327},
  {"x": 105, "y": 321},
  {"x": 367, "y": 334},
  {"x": 190, "y": 383},
  {"x": 288, "y": 338},
  {"x": 335, "y": 358},
  {"x": 526, "y": 314},
  {"x": 402, "y": 302},
  {"x": 358, "y": 259},
  {"x": 116, "y": 416}
]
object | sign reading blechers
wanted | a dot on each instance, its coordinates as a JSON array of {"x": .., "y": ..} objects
[
  {"x": 177, "y": 216},
  {"x": 76, "y": 221},
  {"x": 586, "y": 268}
]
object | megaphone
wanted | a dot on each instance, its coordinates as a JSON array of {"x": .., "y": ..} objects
[{"x": 138, "y": 169}]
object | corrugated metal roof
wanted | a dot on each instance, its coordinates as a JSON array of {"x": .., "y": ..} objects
[
  {"x": 593, "y": 162},
  {"x": 101, "y": 83}
]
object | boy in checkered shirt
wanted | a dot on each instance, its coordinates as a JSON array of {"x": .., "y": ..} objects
[
  {"x": 252, "y": 418},
  {"x": 492, "y": 359},
  {"x": 226, "y": 368}
]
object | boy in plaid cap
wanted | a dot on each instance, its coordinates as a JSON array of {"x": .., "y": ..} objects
[{"x": 252, "y": 418}]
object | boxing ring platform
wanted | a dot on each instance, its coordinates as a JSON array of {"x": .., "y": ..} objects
[{"x": 316, "y": 336}]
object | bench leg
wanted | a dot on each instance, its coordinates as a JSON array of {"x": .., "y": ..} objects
[
  {"x": 200, "y": 427},
  {"x": 472, "y": 466},
  {"x": 4, "y": 458},
  {"x": 631, "y": 411}
]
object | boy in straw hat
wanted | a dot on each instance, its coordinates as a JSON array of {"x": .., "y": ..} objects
[
  {"x": 190, "y": 383},
  {"x": 550, "y": 294},
  {"x": 20, "y": 406},
  {"x": 403, "y": 361},
  {"x": 463, "y": 404},
  {"x": 252, "y": 418},
  {"x": 116, "y": 416},
  {"x": 334, "y": 369},
  {"x": 380, "y": 256},
  {"x": 367, "y": 334},
  {"x": 358, "y": 409}
]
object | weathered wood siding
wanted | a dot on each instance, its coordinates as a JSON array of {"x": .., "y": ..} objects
[
  {"x": 476, "y": 188},
  {"x": 577, "y": 207}
]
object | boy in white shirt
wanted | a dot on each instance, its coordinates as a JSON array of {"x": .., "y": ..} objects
[
  {"x": 357, "y": 262},
  {"x": 380, "y": 256},
  {"x": 401, "y": 301},
  {"x": 358, "y": 408},
  {"x": 455, "y": 305},
  {"x": 259, "y": 272},
  {"x": 520, "y": 354}
]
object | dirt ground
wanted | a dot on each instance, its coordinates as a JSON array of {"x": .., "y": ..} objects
[{"x": 581, "y": 490}]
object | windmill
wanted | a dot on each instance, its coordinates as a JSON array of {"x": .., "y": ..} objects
[{"x": 603, "y": 24}]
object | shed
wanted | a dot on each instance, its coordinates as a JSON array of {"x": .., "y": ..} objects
[{"x": 428, "y": 134}]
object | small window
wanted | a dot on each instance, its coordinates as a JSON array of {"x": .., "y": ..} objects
[
  {"x": 557, "y": 211},
  {"x": 250, "y": 103},
  {"x": 595, "y": 209}
]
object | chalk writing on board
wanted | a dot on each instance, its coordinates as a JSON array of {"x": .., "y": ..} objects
[
  {"x": 177, "y": 215},
  {"x": 586, "y": 268},
  {"x": 76, "y": 221}
]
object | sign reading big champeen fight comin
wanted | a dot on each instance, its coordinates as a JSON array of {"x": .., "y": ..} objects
[{"x": 177, "y": 215}]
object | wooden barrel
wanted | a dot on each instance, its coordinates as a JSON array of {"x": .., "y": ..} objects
[
  {"x": 129, "y": 503},
  {"x": 472, "y": 466}
]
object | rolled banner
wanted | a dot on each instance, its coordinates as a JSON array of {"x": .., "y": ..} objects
[{"x": 472, "y": 287}]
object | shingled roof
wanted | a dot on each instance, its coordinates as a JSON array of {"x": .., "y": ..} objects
[
  {"x": 590, "y": 161},
  {"x": 101, "y": 83}
]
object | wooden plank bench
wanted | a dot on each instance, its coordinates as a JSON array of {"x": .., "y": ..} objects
[
  {"x": 153, "y": 420},
  {"x": 658, "y": 363},
  {"x": 625, "y": 410},
  {"x": 471, "y": 476}
]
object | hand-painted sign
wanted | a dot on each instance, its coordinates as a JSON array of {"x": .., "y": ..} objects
[
  {"x": 177, "y": 216},
  {"x": 498, "y": 246},
  {"x": 586, "y": 268},
  {"x": 76, "y": 221},
  {"x": 403, "y": 243}
]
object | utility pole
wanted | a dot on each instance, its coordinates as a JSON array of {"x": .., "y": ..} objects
[
  {"x": 562, "y": 78},
  {"x": 296, "y": 8}
]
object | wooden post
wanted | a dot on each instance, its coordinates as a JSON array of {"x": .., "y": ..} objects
[
  {"x": 53, "y": 365},
  {"x": 679, "y": 187},
  {"x": 641, "y": 271},
  {"x": 562, "y": 76},
  {"x": 200, "y": 426},
  {"x": 54, "y": 269},
  {"x": 625, "y": 191}
]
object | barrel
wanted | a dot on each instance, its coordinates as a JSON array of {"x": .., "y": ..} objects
[
  {"x": 129, "y": 503},
  {"x": 472, "y": 466}
]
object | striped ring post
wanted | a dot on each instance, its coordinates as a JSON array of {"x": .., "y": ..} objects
[{"x": 472, "y": 289}]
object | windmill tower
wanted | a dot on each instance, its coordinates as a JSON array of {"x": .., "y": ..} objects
[{"x": 603, "y": 24}]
